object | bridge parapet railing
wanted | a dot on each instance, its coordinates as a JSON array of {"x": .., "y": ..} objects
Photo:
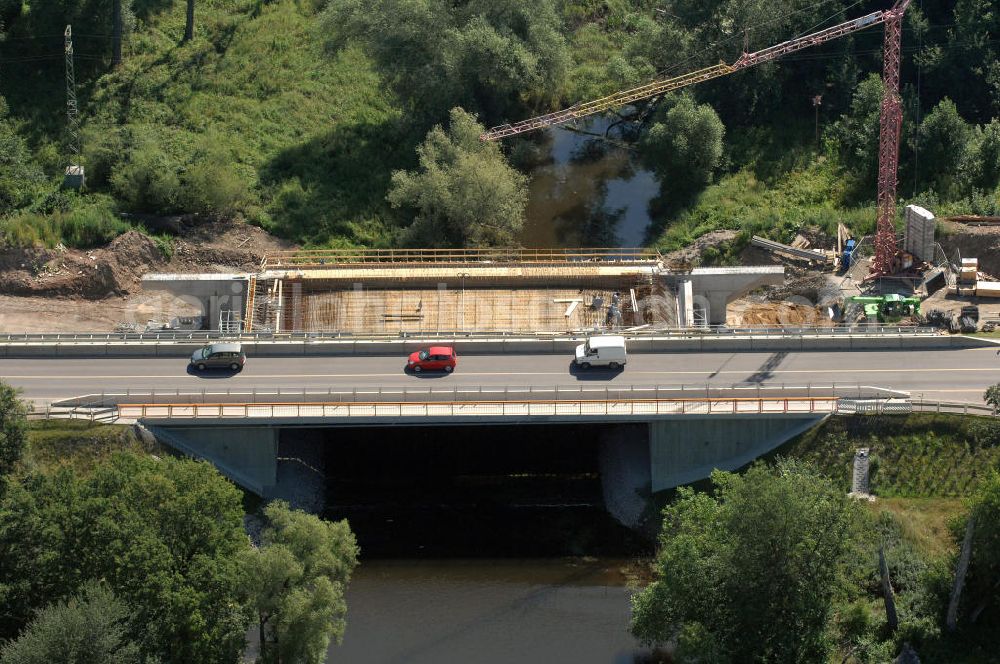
[
  {"x": 333, "y": 258},
  {"x": 179, "y": 336},
  {"x": 953, "y": 407},
  {"x": 543, "y": 408},
  {"x": 481, "y": 393}
]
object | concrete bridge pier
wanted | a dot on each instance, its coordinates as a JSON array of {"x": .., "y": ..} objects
[{"x": 713, "y": 288}]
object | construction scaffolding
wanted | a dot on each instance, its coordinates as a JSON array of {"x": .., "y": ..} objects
[
  {"x": 287, "y": 306},
  {"x": 335, "y": 258}
]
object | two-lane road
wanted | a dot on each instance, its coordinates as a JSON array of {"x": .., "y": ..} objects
[{"x": 959, "y": 375}]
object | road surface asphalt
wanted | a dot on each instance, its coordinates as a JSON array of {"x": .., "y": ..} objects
[{"x": 948, "y": 375}]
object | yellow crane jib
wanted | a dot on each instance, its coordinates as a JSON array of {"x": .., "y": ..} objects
[{"x": 604, "y": 103}]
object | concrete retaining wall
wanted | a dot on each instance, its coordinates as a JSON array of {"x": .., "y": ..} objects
[
  {"x": 685, "y": 451},
  {"x": 400, "y": 347}
]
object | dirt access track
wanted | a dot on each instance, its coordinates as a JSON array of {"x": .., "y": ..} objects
[{"x": 69, "y": 290}]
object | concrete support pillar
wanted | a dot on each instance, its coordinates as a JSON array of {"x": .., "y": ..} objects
[
  {"x": 713, "y": 288},
  {"x": 624, "y": 463},
  {"x": 685, "y": 450}
]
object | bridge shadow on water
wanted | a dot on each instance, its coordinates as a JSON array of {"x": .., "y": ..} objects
[{"x": 471, "y": 491}]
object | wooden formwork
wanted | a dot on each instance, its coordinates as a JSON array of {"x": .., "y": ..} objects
[{"x": 422, "y": 310}]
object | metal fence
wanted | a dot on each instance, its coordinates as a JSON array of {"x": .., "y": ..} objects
[
  {"x": 953, "y": 407},
  {"x": 178, "y": 336},
  {"x": 509, "y": 408},
  {"x": 504, "y": 401},
  {"x": 471, "y": 394},
  {"x": 332, "y": 258}
]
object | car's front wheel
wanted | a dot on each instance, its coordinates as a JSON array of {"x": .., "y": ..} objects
[
  {"x": 449, "y": 369},
  {"x": 201, "y": 367},
  {"x": 234, "y": 366},
  {"x": 416, "y": 368},
  {"x": 585, "y": 365}
]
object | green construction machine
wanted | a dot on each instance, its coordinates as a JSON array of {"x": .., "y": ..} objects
[{"x": 887, "y": 308}]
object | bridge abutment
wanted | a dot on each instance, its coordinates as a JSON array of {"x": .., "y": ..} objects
[
  {"x": 246, "y": 455},
  {"x": 685, "y": 450}
]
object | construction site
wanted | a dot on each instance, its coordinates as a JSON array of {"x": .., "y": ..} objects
[
  {"x": 242, "y": 280},
  {"x": 410, "y": 292}
]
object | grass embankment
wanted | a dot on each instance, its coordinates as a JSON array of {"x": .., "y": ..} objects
[
  {"x": 918, "y": 456},
  {"x": 253, "y": 117},
  {"x": 56, "y": 443},
  {"x": 923, "y": 468},
  {"x": 53, "y": 444}
]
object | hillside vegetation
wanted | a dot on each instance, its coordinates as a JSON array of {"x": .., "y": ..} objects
[
  {"x": 294, "y": 115},
  {"x": 918, "y": 456}
]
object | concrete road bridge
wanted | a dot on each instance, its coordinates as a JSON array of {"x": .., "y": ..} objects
[{"x": 698, "y": 411}]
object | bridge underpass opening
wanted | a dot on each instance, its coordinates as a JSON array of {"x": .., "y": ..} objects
[{"x": 490, "y": 491}]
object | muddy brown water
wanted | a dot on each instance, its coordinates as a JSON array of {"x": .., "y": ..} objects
[
  {"x": 488, "y": 611},
  {"x": 480, "y": 544},
  {"x": 589, "y": 193}
]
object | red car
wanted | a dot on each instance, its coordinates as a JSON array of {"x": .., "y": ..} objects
[{"x": 435, "y": 358}]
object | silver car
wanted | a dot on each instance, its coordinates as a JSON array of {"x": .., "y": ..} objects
[{"x": 219, "y": 356}]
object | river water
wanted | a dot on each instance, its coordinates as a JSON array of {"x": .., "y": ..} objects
[
  {"x": 480, "y": 544},
  {"x": 488, "y": 611},
  {"x": 588, "y": 192}
]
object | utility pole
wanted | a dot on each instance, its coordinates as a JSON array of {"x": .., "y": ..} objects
[
  {"x": 817, "y": 100},
  {"x": 189, "y": 24},
  {"x": 116, "y": 45},
  {"x": 74, "y": 178}
]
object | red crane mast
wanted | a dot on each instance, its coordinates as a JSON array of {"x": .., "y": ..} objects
[{"x": 890, "y": 114}]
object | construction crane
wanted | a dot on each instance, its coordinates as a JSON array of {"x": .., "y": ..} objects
[{"x": 891, "y": 114}]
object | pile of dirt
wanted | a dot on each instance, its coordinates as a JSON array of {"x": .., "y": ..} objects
[
  {"x": 114, "y": 270},
  {"x": 223, "y": 246},
  {"x": 776, "y": 314},
  {"x": 117, "y": 268},
  {"x": 691, "y": 255},
  {"x": 981, "y": 242},
  {"x": 815, "y": 287}
]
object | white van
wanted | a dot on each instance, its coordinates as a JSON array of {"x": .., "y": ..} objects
[{"x": 605, "y": 351}]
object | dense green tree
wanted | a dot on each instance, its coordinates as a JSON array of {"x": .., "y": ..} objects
[
  {"x": 992, "y": 397},
  {"x": 855, "y": 136},
  {"x": 297, "y": 580},
  {"x": 464, "y": 194},
  {"x": 750, "y": 572},
  {"x": 981, "y": 599},
  {"x": 13, "y": 428},
  {"x": 684, "y": 35},
  {"x": 943, "y": 141},
  {"x": 165, "y": 534},
  {"x": 211, "y": 184},
  {"x": 981, "y": 169},
  {"x": 494, "y": 57},
  {"x": 961, "y": 57},
  {"x": 684, "y": 147},
  {"x": 21, "y": 179},
  {"x": 147, "y": 179},
  {"x": 89, "y": 628}
]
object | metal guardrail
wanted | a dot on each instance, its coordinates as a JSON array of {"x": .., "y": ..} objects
[
  {"x": 436, "y": 402},
  {"x": 472, "y": 394},
  {"x": 953, "y": 408},
  {"x": 533, "y": 408},
  {"x": 685, "y": 333},
  {"x": 332, "y": 258}
]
